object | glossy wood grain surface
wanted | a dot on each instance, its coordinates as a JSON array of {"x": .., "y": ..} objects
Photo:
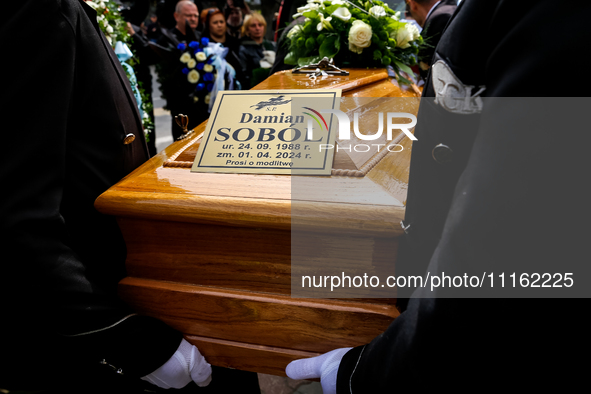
[
  {"x": 258, "y": 318},
  {"x": 247, "y": 357}
]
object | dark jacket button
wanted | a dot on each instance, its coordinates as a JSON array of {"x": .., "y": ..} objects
[
  {"x": 129, "y": 138},
  {"x": 442, "y": 154}
]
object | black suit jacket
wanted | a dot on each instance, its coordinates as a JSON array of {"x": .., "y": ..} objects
[
  {"x": 485, "y": 211},
  {"x": 433, "y": 29},
  {"x": 72, "y": 108}
]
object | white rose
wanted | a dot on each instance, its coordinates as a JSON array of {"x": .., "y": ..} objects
[
  {"x": 405, "y": 35},
  {"x": 191, "y": 63},
  {"x": 109, "y": 29},
  {"x": 185, "y": 57},
  {"x": 354, "y": 48},
  {"x": 102, "y": 4},
  {"x": 377, "y": 11},
  {"x": 359, "y": 35},
  {"x": 193, "y": 76},
  {"x": 201, "y": 56},
  {"x": 396, "y": 15},
  {"x": 342, "y": 13},
  {"x": 92, "y": 4},
  {"x": 295, "y": 30},
  {"x": 208, "y": 68}
]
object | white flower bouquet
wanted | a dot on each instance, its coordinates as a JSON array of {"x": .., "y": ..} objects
[{"x": 355, "y": 33}]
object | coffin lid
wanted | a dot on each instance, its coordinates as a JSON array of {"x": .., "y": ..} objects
[{"x": 365, "y": 193}]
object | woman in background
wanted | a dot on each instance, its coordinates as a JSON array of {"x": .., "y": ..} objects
[
  {"x": 256, "y": 53},
  {"x": 216, "y": 30}
]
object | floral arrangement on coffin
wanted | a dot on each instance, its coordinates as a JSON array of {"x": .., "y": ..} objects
[
  {"x": 354, "y": 33},
  {"x": 197, "y": 66}
]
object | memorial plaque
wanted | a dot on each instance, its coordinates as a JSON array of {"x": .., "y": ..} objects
[{"x": 263, "y": 132}]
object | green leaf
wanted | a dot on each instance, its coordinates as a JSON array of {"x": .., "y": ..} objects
[
  {"x": 311, "y": 14},
  {"x": 290, "y": 59},
  {"x": 404, "y": 68},
  {"x": 304, "y": 61},
  {"x": 330, "y": 46},
  {"x": 332, "y": 8},
  {"x": 402, "y": 80}
]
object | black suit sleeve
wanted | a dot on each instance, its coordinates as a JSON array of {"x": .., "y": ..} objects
[
  {"x": 498, "y": 222},
  {"x": 47, "y": 287}
]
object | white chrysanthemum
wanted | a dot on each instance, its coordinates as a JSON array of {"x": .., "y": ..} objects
[
  {"x": 185, "y": 57},
  {"x": 377, "y": 11},
  {"x": 295, "y": 30},
  {"x": 109, "y": 29},
  {"x": 207, "y": 98},
  {"x": 405, "y": 35},
  {"x": 360, "y": 35},
  {"x": 208, "y": 68},
  {"x": 338, "y": 2},
  {"x": 193, "y": 76},
  {"x": 201, "y": 56},
  {"x": 342, "y": 13},
  {"x": 191, "y": 63}
]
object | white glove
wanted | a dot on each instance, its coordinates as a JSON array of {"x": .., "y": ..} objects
[
  {"x": 186, "y": 364},
  {"x": 268, "y": 59},
  {"x": 325, "y": 367}
]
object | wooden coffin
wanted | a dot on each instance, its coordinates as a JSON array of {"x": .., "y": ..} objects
[{"x": 210, "y": 254}]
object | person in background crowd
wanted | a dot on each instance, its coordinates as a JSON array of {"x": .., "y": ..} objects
[
  {"x": 234, "y": 20},
  {"x": 432, "y": 16},
  {"x": 153, "y": 29},
  {"x": 257, "y": 54},
  {"x": 185, "y": 13},
  {"x": 186, "y": 16},
  {"x": 215, "y": 28}
]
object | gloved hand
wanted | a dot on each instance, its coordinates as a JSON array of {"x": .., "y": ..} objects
[
  {"x": 325, "y": 367},
  {"x": 268, "y": 59},
  {"x": 186, "y": 364}
]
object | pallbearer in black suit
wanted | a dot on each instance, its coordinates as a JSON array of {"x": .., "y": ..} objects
[
  {"x": 498, "y": 142},
  {"x": 76, "y": 131}
]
